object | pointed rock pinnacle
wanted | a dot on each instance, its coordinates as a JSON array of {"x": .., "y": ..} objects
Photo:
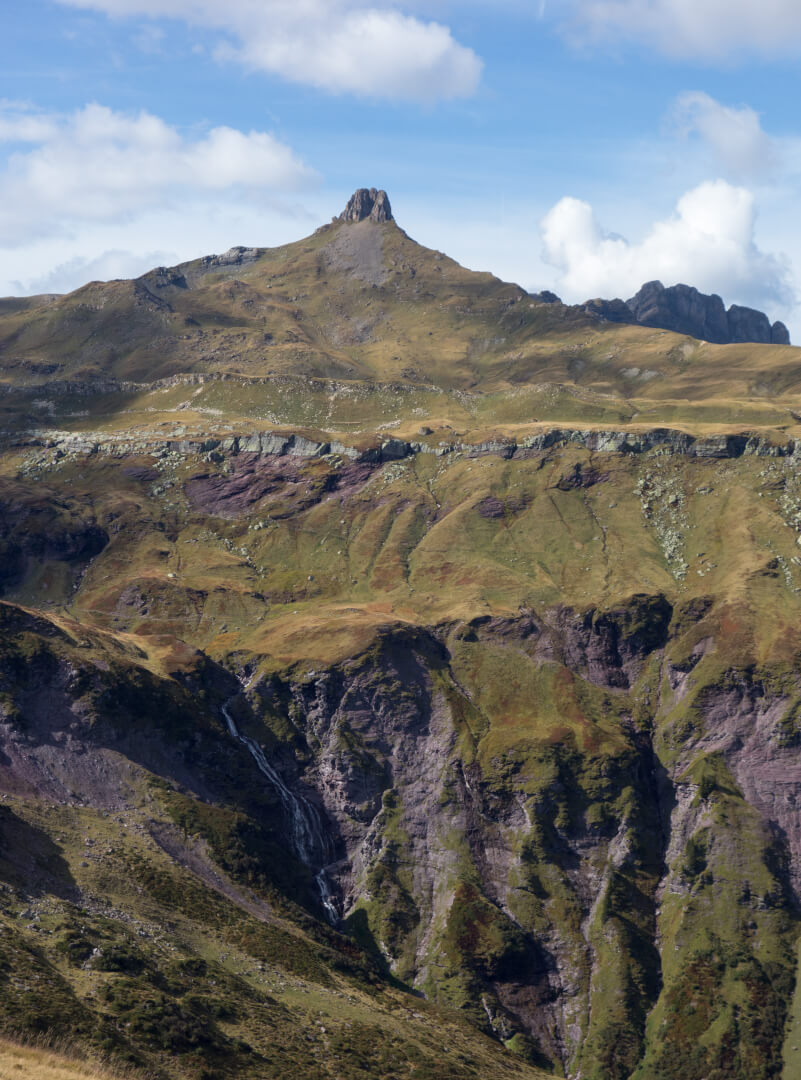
[{"x": 367, "y": 205}]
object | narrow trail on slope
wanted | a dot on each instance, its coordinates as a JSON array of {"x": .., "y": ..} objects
[{"x": 309, "y": 840}]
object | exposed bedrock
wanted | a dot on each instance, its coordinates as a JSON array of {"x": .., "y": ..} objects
[
  {"x": 685, "y": 310},
  {"x": 47, "y": 449},
  {"x": 565, "y": 855},
  {"x": 367, "y": 204}
]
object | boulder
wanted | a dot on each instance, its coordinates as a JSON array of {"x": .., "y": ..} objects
[{"x": 394, "y": 450}]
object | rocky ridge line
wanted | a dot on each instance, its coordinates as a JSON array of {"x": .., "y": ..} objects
[
  {"x": 267, "y": 443},
  {"x": 685, "y": 310}
]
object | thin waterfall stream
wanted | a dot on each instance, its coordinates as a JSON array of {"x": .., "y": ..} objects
[{"x": 309, "y": 840}]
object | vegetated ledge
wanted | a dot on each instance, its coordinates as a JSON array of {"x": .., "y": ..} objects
[
  {"x": 106, "y": 384},
  {"x": 60, "y": 444}
]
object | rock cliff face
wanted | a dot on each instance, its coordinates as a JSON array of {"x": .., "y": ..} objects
[
  {"x": 367, "y": 204},
  {"x": 546, "y": 891},
  {"x": 687, "y": 311}
]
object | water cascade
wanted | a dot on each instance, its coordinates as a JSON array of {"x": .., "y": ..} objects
[{"x": 309, "y": 840}]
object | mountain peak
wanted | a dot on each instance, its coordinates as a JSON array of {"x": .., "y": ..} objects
[{"x": 367, "y": 204}]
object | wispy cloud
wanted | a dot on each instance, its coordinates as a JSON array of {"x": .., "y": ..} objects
[
  {"x": 335, "y": 45},
  {"x": 107, "y": 266},
  {"x": 692, "y": 29},
  {"x": 733, "y": 134},
  {"x": 149, "y": 39}
]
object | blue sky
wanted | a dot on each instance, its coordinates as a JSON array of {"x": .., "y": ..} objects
[{"x": 579, "y": 145}]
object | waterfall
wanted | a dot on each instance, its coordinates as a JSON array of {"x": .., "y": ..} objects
[{"x": 312, "y": 845}]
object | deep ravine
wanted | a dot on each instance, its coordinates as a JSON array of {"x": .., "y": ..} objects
[{"x": 309, "y": 840}]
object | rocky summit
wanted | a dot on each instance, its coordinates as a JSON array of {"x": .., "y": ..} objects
[
  {"x": 685, "y": 310},
  {"x": 367, "y": 205},
  {"x": 400, "y": 676}
]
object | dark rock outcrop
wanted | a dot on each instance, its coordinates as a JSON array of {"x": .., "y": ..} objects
[
  {"x": 779, "y": 334},
  {"x": 616, "y": 311},
  {"x": 579, "y": 478},
  {"x": 37, "y": 526},
  {"x": 685, "y": 310},
  {"x": 745, "y": 324},
  {"x": 367, "y": 205},
  {"x": 681, "y": 308}
]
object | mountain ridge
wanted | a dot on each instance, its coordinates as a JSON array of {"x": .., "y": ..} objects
[
  {"x": 339, "y": 563},
  {"x": 342, "y": 305},
  {"x": 680, "y": 308},
  {"x": 684, "y": 309}
]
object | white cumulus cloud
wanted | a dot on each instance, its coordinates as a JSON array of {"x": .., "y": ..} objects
[
  {"x": 708, "y": 242},
  {"x": 694, "y": 29},
  {"x": 97, "y": 165},
  {"x": 334, "y": 45}
]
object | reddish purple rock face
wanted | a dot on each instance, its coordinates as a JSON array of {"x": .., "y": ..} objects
[{"x": 281, "y": 485}]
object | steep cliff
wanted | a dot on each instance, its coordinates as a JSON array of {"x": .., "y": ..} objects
[{"x": 687, "y": 311}]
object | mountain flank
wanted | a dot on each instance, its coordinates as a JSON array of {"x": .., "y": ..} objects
[{"x": 400, "y": 677}]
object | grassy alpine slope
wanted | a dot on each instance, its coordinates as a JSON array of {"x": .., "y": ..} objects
[
  {"x": 512, "y": 609},
  {"x": 19, "y": 1062}
]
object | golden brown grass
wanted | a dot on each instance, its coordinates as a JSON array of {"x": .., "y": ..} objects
[
  {"x": 280, "y": 327},
  {"x": 51, "y": 1060}
]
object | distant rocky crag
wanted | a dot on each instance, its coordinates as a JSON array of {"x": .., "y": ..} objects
[
  {"x": 685, "y": 310},
  {"x": 367, "y": 204}
]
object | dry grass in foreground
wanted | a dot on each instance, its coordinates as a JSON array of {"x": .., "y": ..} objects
[{"x": 31, "y": 1062}]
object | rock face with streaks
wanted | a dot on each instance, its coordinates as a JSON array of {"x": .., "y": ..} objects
[
  {"x": 367, "y": 204},
  {"x": 544, "y": 890}
]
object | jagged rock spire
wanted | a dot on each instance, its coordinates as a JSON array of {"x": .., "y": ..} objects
[{"x": 367, "y": 205}]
